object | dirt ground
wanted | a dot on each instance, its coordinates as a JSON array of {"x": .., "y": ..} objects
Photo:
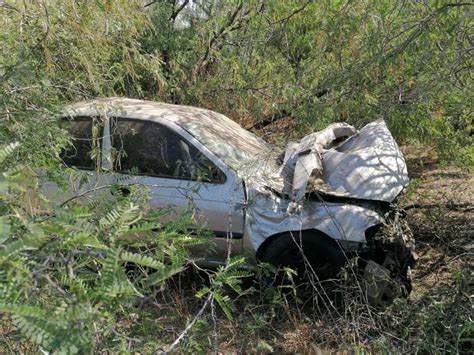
[{"x": 440, "y": 202}]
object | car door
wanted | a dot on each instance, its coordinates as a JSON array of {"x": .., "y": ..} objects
[{"x": 182, "y": 175}]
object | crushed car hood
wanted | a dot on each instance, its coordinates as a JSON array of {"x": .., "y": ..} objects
[{"x": 368, "y": 165}]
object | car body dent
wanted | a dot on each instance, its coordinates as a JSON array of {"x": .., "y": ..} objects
[
  {"x": 268, "y": 215},
  {"x": 367, "y": 166}
]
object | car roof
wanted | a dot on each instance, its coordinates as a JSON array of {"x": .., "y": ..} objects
[
  {"x": 224, "y": 137},
  {"x": 174, "y": 113}
]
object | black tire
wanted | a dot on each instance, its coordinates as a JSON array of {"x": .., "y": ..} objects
[{"x": 322, "y": 253}]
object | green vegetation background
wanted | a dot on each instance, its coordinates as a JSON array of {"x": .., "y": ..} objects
[{"x": 281, "y": 68}]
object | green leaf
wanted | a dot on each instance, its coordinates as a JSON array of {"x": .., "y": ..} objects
[
  {"x": 142, "y": 260},
  {"x": 164, "y": 274},
  {"x": 4, "y": 228},
  {"x": 225, "y": 304},
  {"x": 7, "y": 150},
  {"x": 202, "y": 292}
]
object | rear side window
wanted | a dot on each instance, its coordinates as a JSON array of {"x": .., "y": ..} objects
[
  {"x": 149, "y": 148},
  {"x": 86, "y": 134}
]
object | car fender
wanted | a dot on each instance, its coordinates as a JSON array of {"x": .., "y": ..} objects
[{"x": 268, "y": 215}]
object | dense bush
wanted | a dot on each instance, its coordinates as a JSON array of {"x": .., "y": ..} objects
[{"x": 63, "y": 279}]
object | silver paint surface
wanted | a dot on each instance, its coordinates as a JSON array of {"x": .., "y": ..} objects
[{"x": 368, "y": 166}]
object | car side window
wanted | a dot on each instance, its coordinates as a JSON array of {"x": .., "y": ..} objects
[
  {"x": 149, "y": 148},
  {"x": 86, "y": 149}
]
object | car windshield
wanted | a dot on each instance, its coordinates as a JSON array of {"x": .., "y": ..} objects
[{"x": 234, "y": 145}]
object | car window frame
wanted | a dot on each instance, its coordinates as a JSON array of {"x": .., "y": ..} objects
[
  {"x": 181, "y": 133},
  {"x": 101, "y": 137}
]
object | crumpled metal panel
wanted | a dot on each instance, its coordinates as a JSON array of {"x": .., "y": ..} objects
[
  {"x": 303, "y": 161},
  {"x": 368, "y": 165},
  {"x": 268, "y": 215}
]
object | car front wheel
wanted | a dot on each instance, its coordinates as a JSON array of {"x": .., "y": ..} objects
[{"x": 312, "y": 254}]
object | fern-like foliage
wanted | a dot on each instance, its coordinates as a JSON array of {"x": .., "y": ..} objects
[
  {"x": 70, "y": 273},
  {"x": 7, "y": 151},
  {"x": 64, "y": 273},
  {"x": 228, "y": 276},
  {"x": 50, "y": 332}
]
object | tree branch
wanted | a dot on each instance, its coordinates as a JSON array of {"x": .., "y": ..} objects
[
  {"x": 283, "y": 113},
  {"x": 420, "y": 27},
  {"x": 151, "y": 3},
  {"x": 293, "y": 13},
  {"x": 286, "y": 112},
  {"x": 232, "y": 24},
  {"x": 190, "y": 325}
]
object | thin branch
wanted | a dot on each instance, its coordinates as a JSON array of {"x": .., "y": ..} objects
[
  {"x": 151, "y": 3},
  {"x": 421, "y": 26},
  {"x": 232, "y": 24},
  {"x": 293, "y": 13},
  {"x": 190, "y": 325},
  {"x": 449, "y": 205},
  {"x": 283, "y": 113},
  {"x": 46, "y": 32},
  {"x": 84, "y": 193},
  {"x": 9, "y": 7}
]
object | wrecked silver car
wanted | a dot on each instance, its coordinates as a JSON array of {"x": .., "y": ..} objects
[{"x": 324, "y": 199}]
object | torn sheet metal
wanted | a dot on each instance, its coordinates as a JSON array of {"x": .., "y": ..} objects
[
  {"x": 368, "y": 165},
  {"x": 268, "y": 215},
  {"x": 304, "y": 161}
]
